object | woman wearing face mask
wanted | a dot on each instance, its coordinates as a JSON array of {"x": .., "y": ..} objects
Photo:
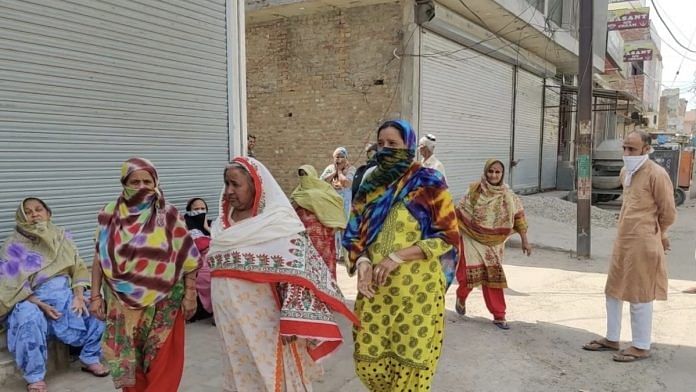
[
  {"x": 403, "y": 240},
  {"x": 488, "y": 215},
  {"x": 199, "y": 228},
  {"x": 148, "y": 261},
  {"x": 196, "y": 216},
  {"x": 273, "y": 296},
  {"x": 321, "y": 210},
  {"x": 42, "y": 295}
]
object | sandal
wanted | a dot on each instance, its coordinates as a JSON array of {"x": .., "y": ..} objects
[
  {"x": 625, "y": 357},
  {"x": 690, "y": 291},
  {"x": 599, "y": 345},
  {"x": 96, "y": 369},
  {"x": 460, "y": 307},
  {"x": 37, "y": 387},
  {"x": 502, "y": 324}
]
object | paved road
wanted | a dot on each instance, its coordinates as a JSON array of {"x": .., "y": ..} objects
[{"x": 555, "y": 305}]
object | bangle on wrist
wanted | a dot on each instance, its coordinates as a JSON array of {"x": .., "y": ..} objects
[
  {"x": 396, "y": 258},
  {"x": 361, "y": 260}
]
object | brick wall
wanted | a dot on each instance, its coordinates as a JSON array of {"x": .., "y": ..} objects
[{"x": 320, "y": 81}]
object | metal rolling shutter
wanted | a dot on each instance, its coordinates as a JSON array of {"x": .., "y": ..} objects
[
  {"x": 466, "y": 101},
  {"x": 549, "y": 150},
  {"x": 527, "y": 135},
  {"x": 86, "y": 84}
]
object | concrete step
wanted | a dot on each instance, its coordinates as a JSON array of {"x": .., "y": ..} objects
[
  {"x": 8, "y": 371},
  {"x": 58, "y": 359}
]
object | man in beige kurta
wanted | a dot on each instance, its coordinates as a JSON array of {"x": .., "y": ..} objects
[{"x": 638, "y": 272}]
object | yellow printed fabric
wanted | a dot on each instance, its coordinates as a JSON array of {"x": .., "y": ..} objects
[
  {"x": 317, "y": 196},
  {"x": 398, "y": 345}
]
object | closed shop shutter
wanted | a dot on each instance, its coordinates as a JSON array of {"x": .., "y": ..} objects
[
  {"x": 86, "y": 84},
  {"x": 549, "y": 151},
  {"x": 466, "y": 101},
  {"x": 527, "y": 136}
]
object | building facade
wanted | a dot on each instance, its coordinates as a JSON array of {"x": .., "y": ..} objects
[
  {"x": 672, "y": 112},
  {"x": 477, "y": 74}
]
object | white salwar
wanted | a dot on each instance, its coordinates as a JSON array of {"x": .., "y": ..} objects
[
  {"x": 641, "y": 322},
  {"x": 247, "y": 318}
]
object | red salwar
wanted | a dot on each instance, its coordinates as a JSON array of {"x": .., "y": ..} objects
[
  {"x": 165, "y": 371},
  {"x": 494, "y": 297}
]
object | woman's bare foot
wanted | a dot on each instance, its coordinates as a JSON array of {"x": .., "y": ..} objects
[
  {"x": 96, "y": 369},
  {"x": 39, "y": 386}
]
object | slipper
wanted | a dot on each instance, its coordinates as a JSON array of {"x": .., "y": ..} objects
[
  {"x": 625, "y": 357},
  {"x": 92, "y": 370},
  {"x": 460, "y": 307},
  {"x": 502, "y": 324},
  {"x": 37, "y": 387},
  {"x": 598, "y": 345}
]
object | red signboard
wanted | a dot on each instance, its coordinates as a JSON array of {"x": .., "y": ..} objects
[
  {"x": 642, "y": 54},
  {"x": 629, "y": 18},
  {"x": 638, "y": 51}
]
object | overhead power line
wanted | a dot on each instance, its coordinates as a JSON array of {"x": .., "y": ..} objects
[{"x": 657, "y": 11}]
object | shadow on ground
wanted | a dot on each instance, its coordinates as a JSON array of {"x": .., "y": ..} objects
[{"x": 544, "y": 356}]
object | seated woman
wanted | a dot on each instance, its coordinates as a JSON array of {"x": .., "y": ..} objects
[
  {"x": 199, "y": 228},
  {"x": 320, "y": 209},
  {"x": 42, "y": 295}
]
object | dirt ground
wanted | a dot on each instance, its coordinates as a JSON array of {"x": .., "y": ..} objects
[{"x": 555, "y": 305}]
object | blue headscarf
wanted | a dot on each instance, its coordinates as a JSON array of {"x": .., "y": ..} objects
[{"x": 399, "y": 179}]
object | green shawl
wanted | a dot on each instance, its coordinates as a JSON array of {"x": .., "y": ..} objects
[
  {"x": 33, "y": 254},
  {"x": 320, "y": 198}
]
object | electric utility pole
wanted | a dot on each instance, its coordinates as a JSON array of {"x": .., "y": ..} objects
[{"x": 584, "y": 135}]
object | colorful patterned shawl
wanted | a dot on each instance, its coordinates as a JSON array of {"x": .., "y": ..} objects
[
  {"x": 34, "y": 254},
  {"x": 423, "y": 191},
  {"x": 489, "y": 213},
  {"x": 142, "y": 243},
  {"x": 320, "y": 198},
  {"x": 272, "y": 247}
]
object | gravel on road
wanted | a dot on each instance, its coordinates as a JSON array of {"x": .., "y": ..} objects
[{"x": 564, "y": 211}]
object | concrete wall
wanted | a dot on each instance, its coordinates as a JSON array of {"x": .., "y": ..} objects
[{"x": 319, "y": 81}]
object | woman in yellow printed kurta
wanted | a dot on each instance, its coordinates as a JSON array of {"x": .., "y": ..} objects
[{"x": 403, "y": 241}]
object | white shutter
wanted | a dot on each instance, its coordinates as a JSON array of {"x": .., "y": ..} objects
[
  {"x": 549, "y": 153},
  {"x": 466, "y": 102},
  {"x": 527, "y": 135},
  {"x": 86, "y": 84}
]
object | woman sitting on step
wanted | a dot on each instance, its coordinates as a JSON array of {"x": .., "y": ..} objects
[{"x": 42, "y": 295}]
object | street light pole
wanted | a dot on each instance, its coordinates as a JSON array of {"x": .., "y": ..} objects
[{"x": 584, "y": 137}]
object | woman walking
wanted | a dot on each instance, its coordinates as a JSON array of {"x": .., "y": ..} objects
[
  {"x": 488, "y": 215},
  {"x": 148, "y": 261},
  {"x": 403, "y": 240},
  {"x": 273, "y": 296},
  {"x": 42, "y": 295},
  {"x": 320, "y": 209}
]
